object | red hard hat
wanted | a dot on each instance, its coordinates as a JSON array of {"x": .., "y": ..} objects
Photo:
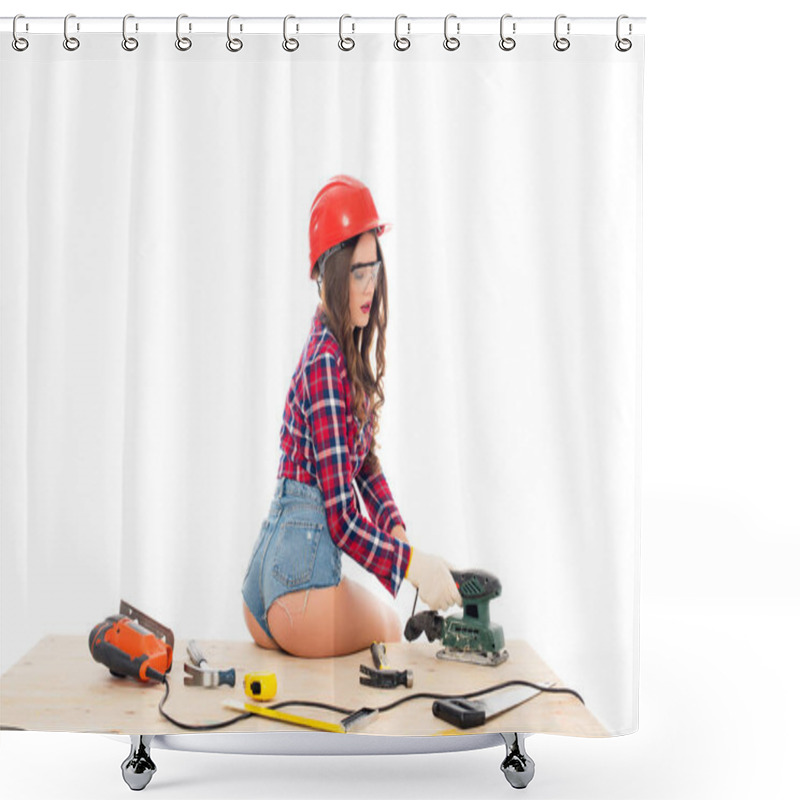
[{"x": 343, "y": 208}]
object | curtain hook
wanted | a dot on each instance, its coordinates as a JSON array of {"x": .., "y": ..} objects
[
  {"x": 401, "y": 43},
  {"x": 128, "y": 42},
  {"x": 18, "y": 43},
  {"x": 451, "y": 42},
  {"x": 181, "y": 42},
  {"x": 623, "y": 45},
  {"x": 350, "y": 44},
  {"x": 234, "y": 45},
  {"x": 561, "y": 43},
  {"x": 290, "y": 45},
  {"x": 70, "y": 42},
  {"x": 506, "y": 42}
]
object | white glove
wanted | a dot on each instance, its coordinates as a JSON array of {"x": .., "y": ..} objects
[{"x": 431, "y": 575}]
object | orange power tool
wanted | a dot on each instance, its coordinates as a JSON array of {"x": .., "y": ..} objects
[{"x": 132, "y": 644}]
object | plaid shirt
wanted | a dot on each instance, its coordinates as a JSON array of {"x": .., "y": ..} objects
[{"x": 322, "y": 445}]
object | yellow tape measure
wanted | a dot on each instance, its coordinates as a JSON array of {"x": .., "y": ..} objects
[{"x": 260, "y": 685}]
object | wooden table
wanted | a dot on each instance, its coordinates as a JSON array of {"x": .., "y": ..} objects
[{"x": 57, "y": 686}]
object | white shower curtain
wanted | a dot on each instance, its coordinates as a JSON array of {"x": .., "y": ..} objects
[{"x": 155, "y": 299}]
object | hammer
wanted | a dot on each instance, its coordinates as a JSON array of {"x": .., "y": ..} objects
[
  {"x": 200, "y": 674},
  {"x": 382, "y": 677}
]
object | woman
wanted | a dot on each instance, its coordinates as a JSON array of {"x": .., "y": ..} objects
[{"x": 294, "y": 595}]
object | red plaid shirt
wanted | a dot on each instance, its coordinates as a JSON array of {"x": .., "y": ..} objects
[{"x": 322, "y": 445}]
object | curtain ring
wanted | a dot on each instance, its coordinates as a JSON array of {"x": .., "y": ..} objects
[
  {"x": 561, "y": 43},
  {"x": 234, "y": 45},
  {"x": 506, "y": 42},
  {"x": 401, "y": 43},
  {"x": 181, "y": 42},
  {"x": 290, "y": 45},
  {"x": 70, "y": 42},
  {"x": 345, "y": 43},
  {"x": 623, "y": 45},
  {"x": 128, "y": 42},
  {"x": 451, "y": 42},
  {"x": 18, "y": 43}
]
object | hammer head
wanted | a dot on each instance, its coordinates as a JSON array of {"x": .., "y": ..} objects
[{"x": 205, "y": 676}]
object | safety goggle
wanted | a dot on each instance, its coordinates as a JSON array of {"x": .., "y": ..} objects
[{"x": 364, "y": 273}]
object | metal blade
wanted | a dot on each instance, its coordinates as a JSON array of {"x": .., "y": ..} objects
[{"x": 127, "y": 610}]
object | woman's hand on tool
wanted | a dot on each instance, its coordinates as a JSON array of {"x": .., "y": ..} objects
[{"x": 431, "y": 575}]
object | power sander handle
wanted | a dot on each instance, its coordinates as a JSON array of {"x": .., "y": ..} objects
[{"x": 476, "y": 584}]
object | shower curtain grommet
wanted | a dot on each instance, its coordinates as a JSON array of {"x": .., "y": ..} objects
[
  {"x": 234, "y": 45},
  {"x": 289, "y": 44},
  {"x": 507, "y": 42},
  {"x": 623, "y": 45},
  {"x": 561, "y": 43},
  {"x": 451, "y": 42},
  {"x": 406, "y": 42},
  {"x": 183, "y": 43},
  {"x": 19, "y": 43},
  {"x": 129, "y": 43},
  {"x": 345, "y": 42},
  {"x": 70, "y": 42}
]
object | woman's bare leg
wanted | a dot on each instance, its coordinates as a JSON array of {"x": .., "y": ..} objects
[
  {"x": 335, "y": 621},
  {"x": 257, "y": 632}
]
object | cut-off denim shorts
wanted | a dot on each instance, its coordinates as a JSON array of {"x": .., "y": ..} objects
[{"x": 294, "y": 550}]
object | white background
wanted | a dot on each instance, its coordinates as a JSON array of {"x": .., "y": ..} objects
[{"x": 720, "y": 527}]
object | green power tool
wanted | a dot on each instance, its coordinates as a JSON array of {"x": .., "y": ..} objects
[{"x": 470, "y": 636}]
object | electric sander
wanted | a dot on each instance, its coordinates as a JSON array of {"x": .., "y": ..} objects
[{"x": 470, "y": 636}]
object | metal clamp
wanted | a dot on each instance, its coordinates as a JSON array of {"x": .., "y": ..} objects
[
  {"x": 128, "y": 42},
  {"x": 234, "y": 45},
  {"x": 181, "y": 42},
  {"x": 346, "y": 43},
  {"x": 561, "y": 43},
  {"x": 290, "y": 45},
  {"x": 70, "y": 42},
  {"x": 451, "y": 42},
  {"x": 623, "y": 45},
  {"x": 506, "y": 42},
  {"x": 401, "y": 43},
  {"x": 18, "y": 42}
]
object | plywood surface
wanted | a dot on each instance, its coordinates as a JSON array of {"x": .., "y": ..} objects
[{"x": 57, "y": 686}]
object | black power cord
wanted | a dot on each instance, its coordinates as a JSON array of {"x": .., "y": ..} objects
[{"x": 346, "y": 711}]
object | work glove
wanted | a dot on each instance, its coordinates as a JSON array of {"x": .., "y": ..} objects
[{"x": 431, "y": 575}]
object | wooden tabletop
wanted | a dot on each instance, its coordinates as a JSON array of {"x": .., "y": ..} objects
[{"x": 57, "y": 686}]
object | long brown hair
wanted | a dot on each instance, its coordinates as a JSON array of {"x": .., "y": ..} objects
[{"x": 356, "y": 343}]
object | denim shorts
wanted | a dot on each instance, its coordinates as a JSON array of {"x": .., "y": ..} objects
[{"x": 294, "y": 550}]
